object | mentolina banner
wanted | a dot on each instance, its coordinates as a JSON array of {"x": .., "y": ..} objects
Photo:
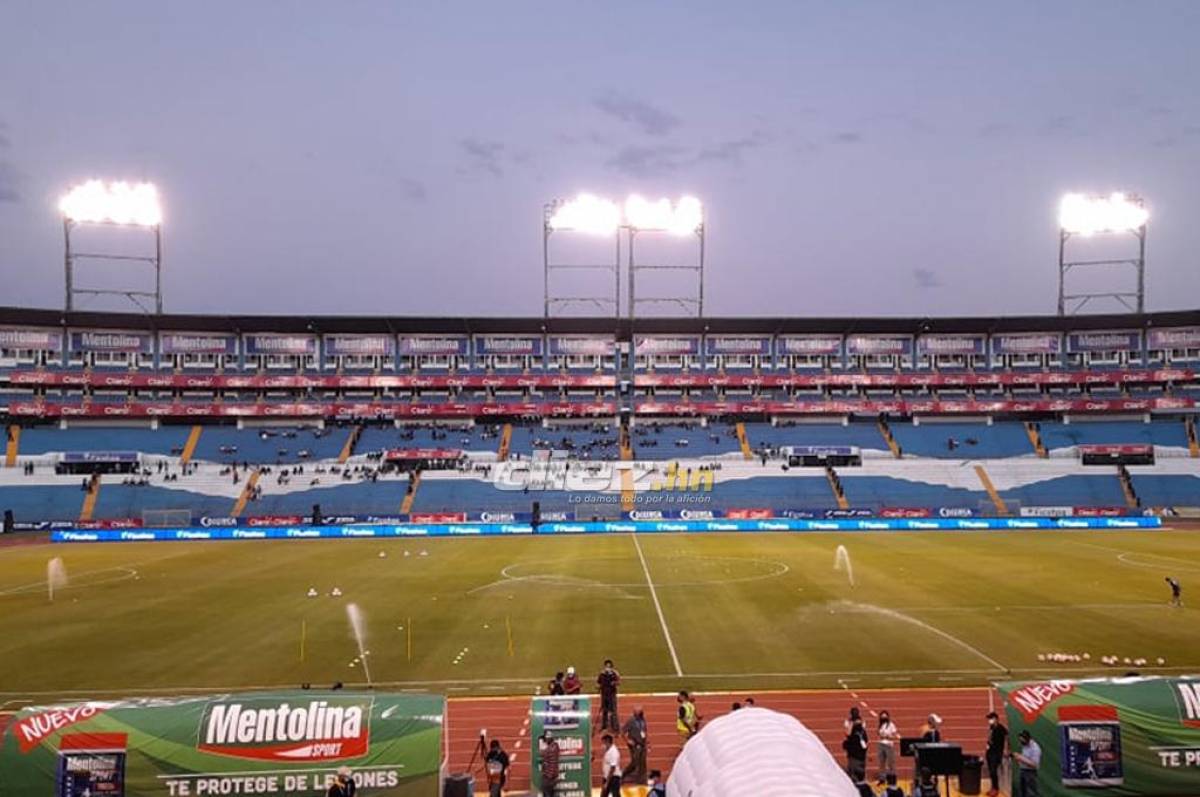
[
  {"x": 1111, "y": 737},
  {"x": 282, "y": 743}
]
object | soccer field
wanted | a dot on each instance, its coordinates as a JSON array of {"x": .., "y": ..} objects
[{"x": 500, "y": 615}]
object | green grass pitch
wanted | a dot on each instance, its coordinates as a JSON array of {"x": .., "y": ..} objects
[{"x": 741, "y": 611}]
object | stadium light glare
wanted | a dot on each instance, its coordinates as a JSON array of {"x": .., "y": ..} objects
[
  {"x": 1084, "y": 214},
  {"x": 686, "y": 216},
  {"x": 587, "y": 213},
  {"x": 119, "y": 202}
]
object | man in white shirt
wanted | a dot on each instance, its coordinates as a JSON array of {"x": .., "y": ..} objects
[
  {"x": 1028, "y": 760},
  {"x": 611, "y": 777}
]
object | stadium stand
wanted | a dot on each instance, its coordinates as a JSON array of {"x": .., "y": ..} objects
[
  {"x": 997, "y": 431},
  {"x": 963, "y": 440}
]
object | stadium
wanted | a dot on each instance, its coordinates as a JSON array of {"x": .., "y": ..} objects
[{"x": 621, "y": 544}]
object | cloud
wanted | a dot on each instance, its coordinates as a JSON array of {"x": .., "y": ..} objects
[
  {"x": 848, "y": 137},
  {"x": 995, "y": 130},
  {"x": 1063, "y": 125},
  {"x": 646, "y": 161},
  {"x": 733, "y": 150},
  {"x": 649, "y": 119},
  {"x": 412, "y": 190},
  {"x": 483, "y": 155},
  {"x": 8, "y": 183},
  {"x": 926, "y": 279}
]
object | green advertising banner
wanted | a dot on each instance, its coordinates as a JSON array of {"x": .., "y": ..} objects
[
  {"x": 1110, "y": 737},
  {"x": 568, "y": 720},
  {"x": 268, "y": 743}
]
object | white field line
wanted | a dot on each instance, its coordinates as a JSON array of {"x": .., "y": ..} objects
[
  {"x": 469, "y": 682},
  {"x": 658, "y": 607}
]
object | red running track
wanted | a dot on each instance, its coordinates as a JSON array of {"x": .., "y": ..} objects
[{"x": 962, "y": 711}]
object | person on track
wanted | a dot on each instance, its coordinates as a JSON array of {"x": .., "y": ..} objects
[
  {"x": 687, "y": 721},
  {"x": 1028, "y": 761},
  {"x": 343, "y": 784},
  {"x": 611, "y": 774},
  {"x": 931, "y": 733},
  {"x": 888, "y": 742},
  {"x": 657, "y": 783},
  {"x": 548, "y": 748},
  {"x": 572, "y": 685},
  {"x": 609, "y": 680},
  {"x": 635, "y": 737},
  {"x": 855, "y": 744},
  {"x": 997, "y": 741},
  {"x": 496, "y": 764},
  {"x": 1176, "y": 592},
  {"x": 556, "y": 685}
]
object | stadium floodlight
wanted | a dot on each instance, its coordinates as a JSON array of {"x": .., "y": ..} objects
[
  {"x": 1087, "y": 215},
  {"x": 586, "y": 213},
  {"x": 590, "y": 215},
  {"x": 684, "y": 217},
  {"x": 1083, "y": 214},
  {"x": 97, "y": 202},
  {"x": 119, "y": 204}
]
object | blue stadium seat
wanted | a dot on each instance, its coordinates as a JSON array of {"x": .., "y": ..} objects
[
  {"x": 1159, "y": 433},
  {"x": 1001, "y": 439},
  {"x": 1167, "y": 489},
  {"x": 1099, "y": 490},
  {"x": 255, "y": 449},
  {"x": 47, "y": 439}
]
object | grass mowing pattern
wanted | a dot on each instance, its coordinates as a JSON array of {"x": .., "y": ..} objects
[{"x": 744, "y": 611}]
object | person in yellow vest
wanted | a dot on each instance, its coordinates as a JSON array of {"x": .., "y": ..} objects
[{"x": 687, "y": 721}]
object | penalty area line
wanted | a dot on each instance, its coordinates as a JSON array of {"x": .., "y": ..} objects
[{"x": 657, "y": 606}]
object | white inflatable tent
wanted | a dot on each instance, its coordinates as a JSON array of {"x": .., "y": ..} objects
[{"x": 760, "y": 752}]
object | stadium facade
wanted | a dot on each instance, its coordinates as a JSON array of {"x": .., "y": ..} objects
[{"x": 388, "y": 416}]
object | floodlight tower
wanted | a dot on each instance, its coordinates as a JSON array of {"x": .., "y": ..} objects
[
  {"x": 684, "y": 218},
  {"x": 588, "y": 215},
  {"x": 1085, "y": 215},
  {"x": 116, "y": 204}
]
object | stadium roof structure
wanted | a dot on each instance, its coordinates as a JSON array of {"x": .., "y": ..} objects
[{"x": 323, "y": 324}]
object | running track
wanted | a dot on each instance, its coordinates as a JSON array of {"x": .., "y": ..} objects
[{"x": 962, "y": 712}]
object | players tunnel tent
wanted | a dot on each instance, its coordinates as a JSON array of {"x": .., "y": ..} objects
[
  {"x": 1113, "y": 737},
  {"x": 761, "y": 752},
  {"x": 267, "y": 743}
]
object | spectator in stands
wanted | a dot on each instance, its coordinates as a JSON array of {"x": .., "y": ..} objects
[
  {"x": 496, "y": 763},
  {"x": 572, "y": 685},
  {"x": 556, "y": 685},
  {"x": 609, "y": 680},
  {"x": 997, "y": 741},
  {"x": 636, "y": 739},
  {"x": 611, "y": 768},
  {"x": 548, "y": 748},
  {"x": 931, "y": 731},
  {"x": 343, "y": 784},
  {"x": 1028, "y": 761},
  {"x": 687, "y": 721},
  {"x": 889, "y": 740},
  {"x": 855, "y": 745},
  {"x": 892, "y": 790},
  {"x": 658, "y": 786}
]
